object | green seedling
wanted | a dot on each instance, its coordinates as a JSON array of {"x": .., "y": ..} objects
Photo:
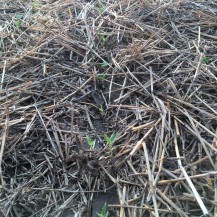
[
  {"x": 93, "y": 56},
  {"x": 19, "y": 16},
  {"x": 101, "y": 37},
  {"x": 17, "y": 23},
  {"x": 110, "y": 141},
  {"x": 36, "y": 5},
  {"x": 101, "y": 109},
  {"x": 91, "y": 142},
  {"x": 100, "y": 7},
  {"x": 205, "y": 60},
  {"x": 1, "y": 44},
  {"x": 105, "y": 64},
  {"x": 101, "y": 77},
  {"x": 103, "y": 211},
  {"x": 18, "y": 20}
]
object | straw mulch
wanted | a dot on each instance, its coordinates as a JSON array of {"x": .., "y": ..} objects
[{"x": 144, "y": 71}]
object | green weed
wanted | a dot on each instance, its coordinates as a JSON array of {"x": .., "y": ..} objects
[
  {"x": 205, "y": 60},
  {"x": 36, "y": 5},
  {"x": 110, "y": 141},
  {"x": 18, "y": 19},
  {"x": 105, "y": 64},
  {"x": 103, "y": 211},
  {"x": 1, "y": 44},
  {"x": 19, "y": 16},
  {"x": 91, "y": 142},
  {"x": 101, "y": 109},
  {"x": 17, "y": 23},
  {"x": 101, "y": 36},
  {"x": 100, "y": 7},
  {"x": 101, "y": 77}
]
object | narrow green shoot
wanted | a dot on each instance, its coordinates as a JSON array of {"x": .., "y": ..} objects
[
  {"x": 91, "y": 142},
  {"x": 101, "y": 77},
  {"x": 101, "y": 109},
  {"x": 18, "y": 20},
  {"x": 17, "y": 23},
  {"x": 36, "y": 5},
  {"x": 100, "y": 7},
  {"x": 103, "y": 211},
  {"x": 101, "y": 37},
  {"x": 105, "y": 64},
  {"x": 110, "y": 141},
  {"x": 205, "y": 60},
  {"x": 93, "y": 56},
  {"x": 1, "y": 44},
  {"x": 19, "y": 16}
]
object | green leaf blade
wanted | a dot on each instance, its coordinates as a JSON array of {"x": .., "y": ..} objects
[
  {"x": 103, "y": 211},
  {"x": 17, "y": 23},
  {"x": 105, "y": 64}
]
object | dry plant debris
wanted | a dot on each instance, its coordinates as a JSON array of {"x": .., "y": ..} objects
[{"x": 142, "y": 74}]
